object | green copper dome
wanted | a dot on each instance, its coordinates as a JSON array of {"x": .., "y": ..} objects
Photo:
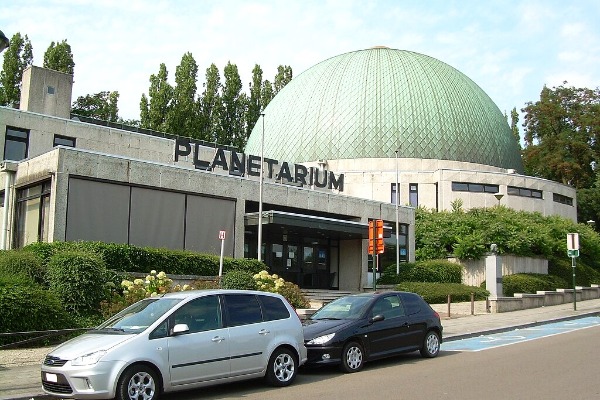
[{"x": 368, "y": 103}]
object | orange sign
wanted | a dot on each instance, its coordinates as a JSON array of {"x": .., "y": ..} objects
[{"x": 376, "y": 245}]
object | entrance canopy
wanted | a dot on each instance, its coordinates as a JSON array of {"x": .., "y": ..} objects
[{"x": 310, "y": 225}]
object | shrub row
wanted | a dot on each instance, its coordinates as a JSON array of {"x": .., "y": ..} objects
[
  {"x": 531, "y": 283},
  {"x": 127, "y": 258},
  {"x": 436, "y": 293},
  {"x": 440, "y": 271}
]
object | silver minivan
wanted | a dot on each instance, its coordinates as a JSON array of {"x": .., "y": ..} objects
[{"x": 179, "y": 341}]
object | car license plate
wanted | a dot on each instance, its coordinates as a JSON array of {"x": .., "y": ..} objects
[{"x": 51, "y": 377}]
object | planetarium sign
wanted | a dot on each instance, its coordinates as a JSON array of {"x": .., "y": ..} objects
[{"x": 240, "y": 164}]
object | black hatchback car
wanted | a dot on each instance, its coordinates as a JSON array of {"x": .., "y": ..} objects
[{"x": 363, "y": 327}]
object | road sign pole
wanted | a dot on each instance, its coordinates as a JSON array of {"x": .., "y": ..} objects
[
  {"x": 222, "y": 238},
  {"x": 574, "y": 288}
]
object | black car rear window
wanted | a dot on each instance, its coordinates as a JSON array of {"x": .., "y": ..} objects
[
  {"x": 273, "y": 308},
  {"x": 413, "y": 304}
]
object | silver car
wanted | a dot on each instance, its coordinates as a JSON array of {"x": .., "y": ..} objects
[{"x": 180, "y": 341}]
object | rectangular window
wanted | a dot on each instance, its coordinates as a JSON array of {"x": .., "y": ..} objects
[
  {"x": 394, "y": 193},
  {"x": 413, "y": 196},
  {"x": 524, "y": 192},
  {"x": 559, "y": 198},
  {"x": 67, "y": 141},
  {"x": 16, "y": 145},
  {"x": 51, "y": 90},
  {"x": 32, "y": 222},
  {"x": 474, "y": 187}
]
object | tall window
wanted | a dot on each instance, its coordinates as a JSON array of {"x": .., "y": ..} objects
[
  {"x": 16, "y": 144},
  {"x": 394, "y": 193},
  {"x": 413, "y": 194},
  {"x": 33, "y": 206}
]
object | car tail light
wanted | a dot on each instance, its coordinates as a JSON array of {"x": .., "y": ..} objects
[{"x": 436, "y": 314}]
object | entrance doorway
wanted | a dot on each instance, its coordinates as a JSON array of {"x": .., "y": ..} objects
[{"x": 305, "y": 264}]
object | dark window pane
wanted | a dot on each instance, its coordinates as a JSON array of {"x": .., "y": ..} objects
[
  {"x": 475, "y": 187},
  {"x": 273, "y": 308},
  {"x": 16, "y": 144},
  {"x": 242, "y": 309},
  {"x": 460, "y": 187},
  {"x": 412, "y": 303},
  {"x": 64, "y": 141}
]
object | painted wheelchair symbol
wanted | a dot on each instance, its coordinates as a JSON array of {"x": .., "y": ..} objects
[{"x": 505, "y": 338}]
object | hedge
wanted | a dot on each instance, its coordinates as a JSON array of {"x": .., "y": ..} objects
[{"x": 440, "y": 271}]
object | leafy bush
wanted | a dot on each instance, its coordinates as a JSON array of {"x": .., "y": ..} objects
[
  {"x": 584, "y": 274},
  {"x": 77, "y": 279},
  {"x": 440, "y": 271},
  {"x": 238, "y": 279},
  {"x": 275, "y": 284},
  {"x": 126, "y": 258},
  {"x": 18, "y": 262},
  {"x": 531, "y": 283},
  {"x": 435, "y": 293},
  {"x": 30, "y": 308}
]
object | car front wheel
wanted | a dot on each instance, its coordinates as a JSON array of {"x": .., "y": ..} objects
[
  {"x": 139, "y": 382},
  {"x": 353, "y": 357},
  {"x": 282, "y": 368},
  {"x": 431, "y": 345}
]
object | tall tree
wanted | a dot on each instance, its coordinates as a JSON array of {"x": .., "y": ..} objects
[
  {"x": 514, "y": 125},
  {"x": 17, "y": 57},
  {"x": 182, "y": 118},
  {"x": 282, "y": 78},
  {"x": 562, "y": 135},
  {"x": 160, "y": 96},
  {"x": 211, "y": 106},
  {"x": 102, "y": 105},
  {"x": 254, "y": 103},
  {"x": 266, "y": 94},
  {"x": 234, "y": 109},
  {"x": 58, "y": 57}
]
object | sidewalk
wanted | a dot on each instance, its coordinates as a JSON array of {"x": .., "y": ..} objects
[{"x": 21, "y": 379}]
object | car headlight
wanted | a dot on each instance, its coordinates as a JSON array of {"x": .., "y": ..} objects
[
  {"x": 321, "y": 339},
  {"x": 88, "y": 359}
]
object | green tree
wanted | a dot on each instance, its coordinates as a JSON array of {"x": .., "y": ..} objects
[
  {"x": 102, "y": 105},
  {"x": 254, "y": 103},
  {"x": 266, "y": 94},
  {"x": 17, "y": 57},
  {"x": 514, "y": 125},
  {"x": 282, "y": 78},
  {"x": 234, "y": 109},
  {"x": 561, "y": 135},
  {"x": 182, "y": 118},
  {"x": 211, "y": 106},
  {"x": 160, "y": 96},
  {"x": 58, "y": 57}
]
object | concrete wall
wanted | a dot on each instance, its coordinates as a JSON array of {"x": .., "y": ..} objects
[
  {"x": 474, "y": 270},
  {"x": 46, "y": 92},
  {"x": 522, "y": 301},
  {"x": 372, "y": 178}
]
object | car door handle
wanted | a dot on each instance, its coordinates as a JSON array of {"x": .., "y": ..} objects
[
  {"x": 264, "y": 332},
  {"x": 218, "y": 339}
]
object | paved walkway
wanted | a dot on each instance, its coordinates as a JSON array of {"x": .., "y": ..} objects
[{"x": 20, "y": 378}]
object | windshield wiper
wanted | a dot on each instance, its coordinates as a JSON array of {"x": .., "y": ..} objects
[{"x": 328, "y": 318}]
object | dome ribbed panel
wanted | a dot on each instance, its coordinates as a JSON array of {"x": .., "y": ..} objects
[{"x": 368, "y": 103}]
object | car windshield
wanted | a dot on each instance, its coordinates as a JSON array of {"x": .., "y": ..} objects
[
  {"x": 138, "y": 316},
  {"x": 350, "y": 307}
]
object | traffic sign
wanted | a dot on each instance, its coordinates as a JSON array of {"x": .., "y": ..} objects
[
  {"x": 572, "y": 241},
  {"x": 573, "y": 253},
  {"x": 221, "y": 235},
  {"x": 376, "y": 245}
]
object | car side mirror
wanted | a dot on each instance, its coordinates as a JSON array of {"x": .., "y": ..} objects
[
  {"x": 180, "y": 328},
  {"x": 377, "y": 318}
]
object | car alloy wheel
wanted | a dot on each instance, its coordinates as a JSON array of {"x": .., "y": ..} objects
[
  {"x": 281, "y": 370},
  {"x": 138, "y": 383}
]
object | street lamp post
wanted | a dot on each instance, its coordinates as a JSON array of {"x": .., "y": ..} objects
[
  {"x": 397, "y": 222},
  {"x": 260, "y": 185}
]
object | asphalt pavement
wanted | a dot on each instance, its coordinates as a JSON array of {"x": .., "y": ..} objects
[{"x": 22, "y": 380}]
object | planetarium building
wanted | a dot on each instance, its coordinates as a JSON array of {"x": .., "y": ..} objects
[
  {"x": 387, "y": 118},
  {"x": 325, "y": 159}
]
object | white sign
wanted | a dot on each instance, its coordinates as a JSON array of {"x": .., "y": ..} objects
[
  {"x": 221, "y": 235},
  {"x": 572, "y": 241}
]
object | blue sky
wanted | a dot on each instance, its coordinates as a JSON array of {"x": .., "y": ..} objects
[{"x": 511, "y": 49}]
